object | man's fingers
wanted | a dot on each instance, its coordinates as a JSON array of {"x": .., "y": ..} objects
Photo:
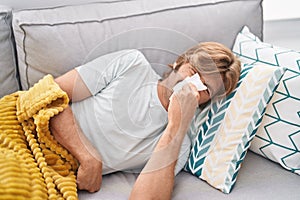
[{"x": 83, "y": 182}]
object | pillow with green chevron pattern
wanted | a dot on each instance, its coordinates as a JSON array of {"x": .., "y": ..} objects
[
  {"x": 224, "y": 129},
  {"x": 278, "y": 137}
]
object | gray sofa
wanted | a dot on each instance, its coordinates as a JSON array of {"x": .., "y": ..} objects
[{"x": 53, "y": 37}]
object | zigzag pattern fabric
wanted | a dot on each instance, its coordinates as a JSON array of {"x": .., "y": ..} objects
[
  {"x": 229, "y": 125},
  {"x": 278, "y": 138},
  {"x": 32, "y": 164}
]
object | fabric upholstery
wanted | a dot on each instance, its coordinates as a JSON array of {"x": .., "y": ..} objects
[
  {"x": 8, "y": 68},
  {"x": 55, "y": 40},
  {"x": 225, "y": 128},
  {"x": 278, "y": 137}
]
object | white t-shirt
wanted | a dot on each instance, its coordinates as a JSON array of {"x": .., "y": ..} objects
[{"x": 123, "y": 118}]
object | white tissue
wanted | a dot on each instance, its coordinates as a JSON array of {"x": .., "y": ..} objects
[{"x": 195, "y": 79}]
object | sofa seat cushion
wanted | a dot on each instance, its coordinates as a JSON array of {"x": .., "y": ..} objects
[{"x": 258, "y": 179}]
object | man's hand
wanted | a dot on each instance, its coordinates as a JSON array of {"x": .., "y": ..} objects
[
  {"x": 89, "y": 175},
  {"x": 182, "y": 106}
]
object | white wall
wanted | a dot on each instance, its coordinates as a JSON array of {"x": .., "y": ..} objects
[
  {"x": 273, "y": 9},
  {"x": 281, "y": 9},
  {"x": 21, "y": 4}
]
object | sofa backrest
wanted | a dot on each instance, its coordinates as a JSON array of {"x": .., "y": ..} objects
[
  {"x": 8, "y": 67},
  {"x": 57, "y": 39}
]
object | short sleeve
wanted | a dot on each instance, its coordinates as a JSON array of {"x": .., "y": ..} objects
[{"x": 100, "y": 72}]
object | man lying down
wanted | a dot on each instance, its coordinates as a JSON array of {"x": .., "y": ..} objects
[{"x": 124, "y": 117}]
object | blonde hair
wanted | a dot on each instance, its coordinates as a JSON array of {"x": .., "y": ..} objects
[{"x": 213, "y": 58}]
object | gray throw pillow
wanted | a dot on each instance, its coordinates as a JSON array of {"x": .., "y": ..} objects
[{"x": 8, "y": 70}]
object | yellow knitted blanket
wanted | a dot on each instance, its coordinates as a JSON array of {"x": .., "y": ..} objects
[{"x": 33, "y": 165}]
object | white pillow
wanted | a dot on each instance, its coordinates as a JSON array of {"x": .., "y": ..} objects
[{"x": 278, "y": 137}]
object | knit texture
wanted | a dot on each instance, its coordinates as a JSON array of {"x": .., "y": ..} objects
[{"x": 33, "y": 165}]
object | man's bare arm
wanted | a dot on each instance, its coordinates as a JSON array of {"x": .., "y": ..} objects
[
  {"x": 156, "y": 181},
  {"x": 73, "y": 85},
  {"x": 67, "y": 132}
]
